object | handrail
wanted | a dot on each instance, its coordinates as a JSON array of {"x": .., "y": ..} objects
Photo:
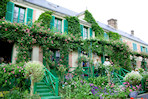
[{"x": 51, "y": 81}]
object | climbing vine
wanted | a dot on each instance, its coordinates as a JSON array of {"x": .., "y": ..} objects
[
  {"x": 3, "y": 5},
  {"x": 26, "y": 38},
  {"x": 73, "y": 26},
  {"x": 99, "y": 32},
  {"x": 44, "y": 19},
  {"x": 113, "y": 36}
]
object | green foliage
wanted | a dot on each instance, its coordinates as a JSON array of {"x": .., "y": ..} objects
[
  {"x": 114, "y": 36},
  {"x": 16, "y": 93},
  {"x": 26, "y": 38},
  {"x": 99, "y": 81},
  {"x": 77, "y": 88},
  {"x": 133, "y": 78},
  {"x": 3, "y": 5},
  {"x": 45, "y": 19},
  {"x": 12, "y": 75},
  {"x": 34, "y": 70},
  {"x": 73, "y": 26},
  {"x": 99, "y": 32}
]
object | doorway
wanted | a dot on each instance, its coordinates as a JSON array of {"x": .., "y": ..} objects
[{"x": 6, "y": 49}]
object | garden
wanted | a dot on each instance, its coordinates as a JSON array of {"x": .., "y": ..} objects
[{"x": 21, "y": 80}]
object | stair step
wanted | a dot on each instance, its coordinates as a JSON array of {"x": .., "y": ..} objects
[
  {"x": 40, "y": 83},
  {"x": 43, "y": 90},
  {"x": 51, "y": 97},
  {"x": 46, "y": 94},
  {"x": 42, "y": 87}
]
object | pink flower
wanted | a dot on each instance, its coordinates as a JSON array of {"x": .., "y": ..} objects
[
  {"x": 19, "y": 70},
  {"x": 124, "y": 83},
  {"x": 5, "y": 29},
  {"x": 130, "y": 90},
  {"x": 112, "y": 86},
  {"x": 3, "y": 68},
  {"x": 134, "y": 87},
  {"x": 52, "y": 42},
  {"x": 15, "y": 75},
  {"x": 5, "y": 80},
  {"x": 15, "y": 58},
  {"x": 9, "y": 73},
  {"x": 0, "y": 26},
  {"x": 18, "y": 67},
  {"x": 10, "y": 83}
]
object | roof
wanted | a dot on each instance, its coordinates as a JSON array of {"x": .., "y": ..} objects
[
  {"x": 51, "y": 6},
  {"x": 57, "y": 8},
  {"x": 122, "y": 33}
]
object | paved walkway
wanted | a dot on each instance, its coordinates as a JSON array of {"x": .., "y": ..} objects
[{"x": 144, "y": 96}]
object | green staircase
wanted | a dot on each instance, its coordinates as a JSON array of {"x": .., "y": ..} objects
[
  {"x": 118, "y": 76},
  {"x": 48, "y": 87}
]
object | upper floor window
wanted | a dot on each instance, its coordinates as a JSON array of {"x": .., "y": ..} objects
[
  {"x": 134, "y": 47},
  {"x": 106, "y": 37},
  {"x": 19, "y": 14},
  {"x": 144, "y": 49},
  {"x": 16, "y": 13},
  {"x": 58, "y": 25},
  {"x": 85, "y": 33}
]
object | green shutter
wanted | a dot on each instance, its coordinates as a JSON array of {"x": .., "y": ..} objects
[
  {"x": 81, "y": 26},
  {"x": 66, "y": 26},
  {"x": 91, "y": 33},
  {"x": 10, "y": 10},
  {"x": 141, "y": 48},
  {"x": 29, "y": 16},
  {"x": 146, "y": 50},
  {"x": 52, "y": 22},
  {"x": 135, "y": 47}
]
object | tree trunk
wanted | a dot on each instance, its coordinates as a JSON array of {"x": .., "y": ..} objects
[{"x": 32, "y": 87}]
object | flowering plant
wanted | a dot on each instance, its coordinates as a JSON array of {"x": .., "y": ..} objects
[
  {"x": 133, "y": 78},
  {"x": 130, "y": 88}
]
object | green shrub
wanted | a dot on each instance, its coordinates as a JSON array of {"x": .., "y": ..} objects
[
  {"x": 133, "y": 78},
  {"x": 35, "y": 71}
]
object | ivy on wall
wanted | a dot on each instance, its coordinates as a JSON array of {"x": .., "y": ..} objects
[
  {"x": 113, "y": 36},
  {"x": 45, "y": 19},
  {"x": 26, "y": 38},
  {"x": 3, "y": 4},
  {"x": 73, "y": 26},
  {"x": 99, "y": 32}
]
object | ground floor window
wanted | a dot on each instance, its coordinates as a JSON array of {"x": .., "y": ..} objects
[{"x": 5, "y": 51}]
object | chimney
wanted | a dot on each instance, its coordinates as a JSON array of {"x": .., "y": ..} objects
[
  {"x": 132, "y": 32},
  {"x": 113, "y": 23}
]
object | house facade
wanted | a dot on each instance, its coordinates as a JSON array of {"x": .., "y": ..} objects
[{"x": 28, "y": 11}]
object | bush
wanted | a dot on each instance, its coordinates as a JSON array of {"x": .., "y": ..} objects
[
  {"x": 12, "y": 75},
  {"x": 35, "y": 71},
  {"x": 16, "y": 93},
  {"x": 99, "y": 81},
  {"x": 133, "y": 78}
]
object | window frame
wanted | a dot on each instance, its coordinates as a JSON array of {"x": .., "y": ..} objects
[
  {"x": 18, "y": 19},
  {"x": 85, "y": 28},
  {"x": 56, "y": 25}
]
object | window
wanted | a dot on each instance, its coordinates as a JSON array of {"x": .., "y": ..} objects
[
  {"x": 106, "y": 37},
  {"x": 85, "y": 33},
  {"x": 55, "y": 56},
  {"x": 19, "y": 14},
  {"x": 134, "y": 47},
  {"x": 143, "y": 49},
  {"x": 16, "y": 13},
  {"x": 58, "y": 25}
]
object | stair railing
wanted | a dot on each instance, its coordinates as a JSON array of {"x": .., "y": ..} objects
[{"x": 51, "y": 81}]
